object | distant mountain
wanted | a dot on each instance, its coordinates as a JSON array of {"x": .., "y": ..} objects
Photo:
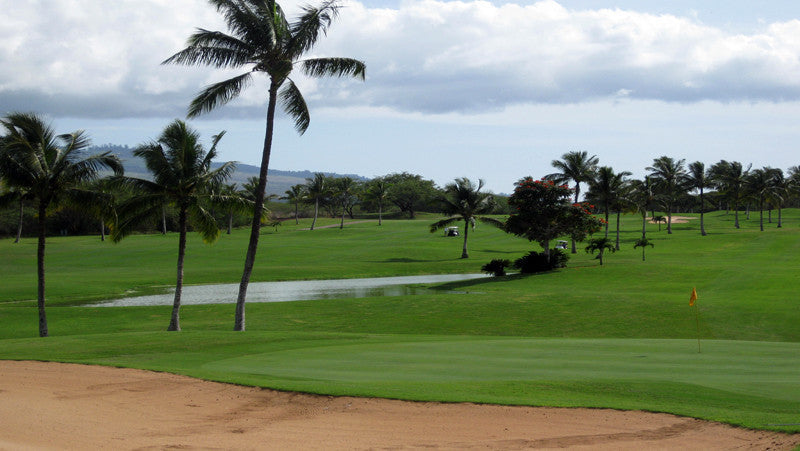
[{"x": 277, "y": 181}]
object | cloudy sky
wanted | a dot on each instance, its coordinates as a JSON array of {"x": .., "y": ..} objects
[{"x": 482, "y": 89}]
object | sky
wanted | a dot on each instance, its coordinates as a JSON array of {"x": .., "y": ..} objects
[{"x": 492, "y": 90}]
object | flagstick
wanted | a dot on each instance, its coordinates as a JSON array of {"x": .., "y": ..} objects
[{"x": 697, "y": 321}]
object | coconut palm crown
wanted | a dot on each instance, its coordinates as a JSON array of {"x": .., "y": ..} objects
[{"x": 262, "y": 40}]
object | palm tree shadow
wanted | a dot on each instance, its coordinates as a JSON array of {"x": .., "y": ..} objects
[{"x": 406, "y": 260}]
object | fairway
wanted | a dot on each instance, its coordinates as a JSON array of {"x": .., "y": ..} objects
[{"x": 621, "y": 335}]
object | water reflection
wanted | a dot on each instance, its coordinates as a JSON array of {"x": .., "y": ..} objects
[{"x": 296, "y": 290}]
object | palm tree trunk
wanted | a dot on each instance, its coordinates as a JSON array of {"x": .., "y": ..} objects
[
  {"x": 669, "y": 219},
  {"x": 606, "y": 207},
  {"x": 577, "y": 193},
  {"x": 702, "y": 223},
  {"x": 464, "y": 253},
  {"x": 19, "y": 226},
  {"x": 255, "y": 230},
  {"x": 780, "y": 224},
  {"x": 316, "y": 211},
  {"x": 40, "y": 269},
  {"x": 736, "y": 215},
  {"x": 761, "y": 214},
  {"x": 175, "y": 318},
  {"x": 102, "y": 230},
  {"x": 341, "y": 224},
  {"x": 296, "y": 219},
  {"x": 230, "y": 223},
  {"x": 163, "y": 220},
  {"x": 618, "y": 215},
  {"x": 644, "y": 224},
  {"x": 380, "y": 213}
]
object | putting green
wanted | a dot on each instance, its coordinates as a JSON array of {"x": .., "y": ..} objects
[{"x": 759, "y": 369}]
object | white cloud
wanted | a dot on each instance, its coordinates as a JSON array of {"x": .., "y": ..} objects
[{"x": 99, "y": 59}]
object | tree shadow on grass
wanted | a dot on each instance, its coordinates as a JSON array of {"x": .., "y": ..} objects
[
  {"x": 462, "y": 285},
  {"x": 406, "y": 260}
]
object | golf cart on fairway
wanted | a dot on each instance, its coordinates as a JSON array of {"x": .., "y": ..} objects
[{"x": 451, "y": 231}]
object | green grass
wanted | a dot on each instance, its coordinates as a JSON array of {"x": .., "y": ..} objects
[{"x": 619, "y": 336}]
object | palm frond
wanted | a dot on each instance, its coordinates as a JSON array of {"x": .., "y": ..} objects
[
  {"x": 295, "y": 106},
  {"x": 314, "y": 20},
  {"x": 135, "y": 211},
  {"x": 213, "y": 48},
  {"x": 334, "y": 67},
  {"x": 218, "y": 94},
  {"x": 438, "y": 225},
  {"x": 203, "y": 222},
  {"x": 491, "y": 221}
]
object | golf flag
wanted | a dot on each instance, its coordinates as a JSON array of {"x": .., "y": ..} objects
[{"x": 693, "y": 297}]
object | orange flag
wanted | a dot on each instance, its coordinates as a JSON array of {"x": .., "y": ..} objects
[{"x": 693, "y": 297}]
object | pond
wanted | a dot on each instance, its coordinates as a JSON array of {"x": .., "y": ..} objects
[{"x": 299, "y": 290}]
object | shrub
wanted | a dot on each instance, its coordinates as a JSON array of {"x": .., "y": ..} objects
[
  {"x": 497, "y": 267},
  {"x": 537, "y": 261}
]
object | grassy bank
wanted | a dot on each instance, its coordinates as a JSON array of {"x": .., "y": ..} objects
[{"x": 620, "y": 336}]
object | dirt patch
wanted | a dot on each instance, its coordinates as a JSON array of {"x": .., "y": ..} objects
[{"x": 65, "y": 406}]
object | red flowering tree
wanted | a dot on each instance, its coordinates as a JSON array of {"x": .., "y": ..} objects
[{"x": 541, "y": 211}]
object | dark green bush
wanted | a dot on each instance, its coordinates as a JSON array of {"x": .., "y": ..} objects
[
  {"x": 496, "y": 267},
  {"x": 537, "y": 261}
]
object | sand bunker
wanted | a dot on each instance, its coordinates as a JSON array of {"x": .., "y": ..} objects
[
  {"x": 675, "y": 220},
  {"x": 64, "y": 406}
]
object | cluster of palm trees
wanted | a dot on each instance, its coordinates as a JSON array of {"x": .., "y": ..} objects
[
  {"x": 670, "y": 186},
  {"x": 260, "y": 40}
]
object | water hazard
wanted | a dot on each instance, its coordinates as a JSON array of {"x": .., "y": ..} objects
[{"x": 300, "y": 290}]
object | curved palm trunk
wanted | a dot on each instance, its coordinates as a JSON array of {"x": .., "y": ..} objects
[
  {"x": 618, "y": 215},
  {"x": 40, "y": 270},
  {"x": 255, "y": 230},
  {"x": 175, "y": 318},
  {"x": 316, "y": 212},
  {"x": 19, "y": 225},
  {"x": 702, "y": 223},
  {"x": 464, "y": 253}
]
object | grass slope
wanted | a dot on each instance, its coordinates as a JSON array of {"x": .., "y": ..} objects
[{"x": 619, "y": 336}]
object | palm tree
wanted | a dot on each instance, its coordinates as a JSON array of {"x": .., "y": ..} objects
[
  {"x": 698, "y": 178},
  {"x": 295, "y": 195},
  {"x": 463, "y": 200},
  {"x": 608, "y": 189},
  {"x": 183, "y": 178},
  {"x": 263, "y": 40},
  {"x": 669, "y": 178},
  {"x": 601, "y": 245},
  {"x": 758, "y": 184},
  {"x": 344, "y": 189},
  {"x": 52, "y": 170},
  {"x": 576, "y": 167},
  {"x": 378, "y": 189},
  {"x": 730, "y": 178},
  {"x": 643, "y": 243},
  {"x": 641, "y": 195},
  {"x": 317, "y": 190},
  {"x": 780, "y": 191}
]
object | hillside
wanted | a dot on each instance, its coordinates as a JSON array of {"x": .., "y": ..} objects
[{"x": 277, "y": 181}]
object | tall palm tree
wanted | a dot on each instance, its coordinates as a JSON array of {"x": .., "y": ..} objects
[
  {"x": 608, "y": 189},
  {"x": 669, "y": 178},
  {"x": 730, "y": 178},
  {"x": 262, "y": 40},
  {"x": 344, "y": 193},
  {"x": 52, "y": 169},
  {"x": 317, "y": 190},
  {"x": 578, "y": 167},
  {"x": 760, "y": 185},
  {"x": 183, "y": 178},
  {"x": 463, "y": 200},
  {"x": 295, "y": 195},
  {"x": 378, "y": 189},
  {"x": 641, "y": 196},
  {"x": 780, "y": 191},
  {"x": 698, "y": 178}
]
